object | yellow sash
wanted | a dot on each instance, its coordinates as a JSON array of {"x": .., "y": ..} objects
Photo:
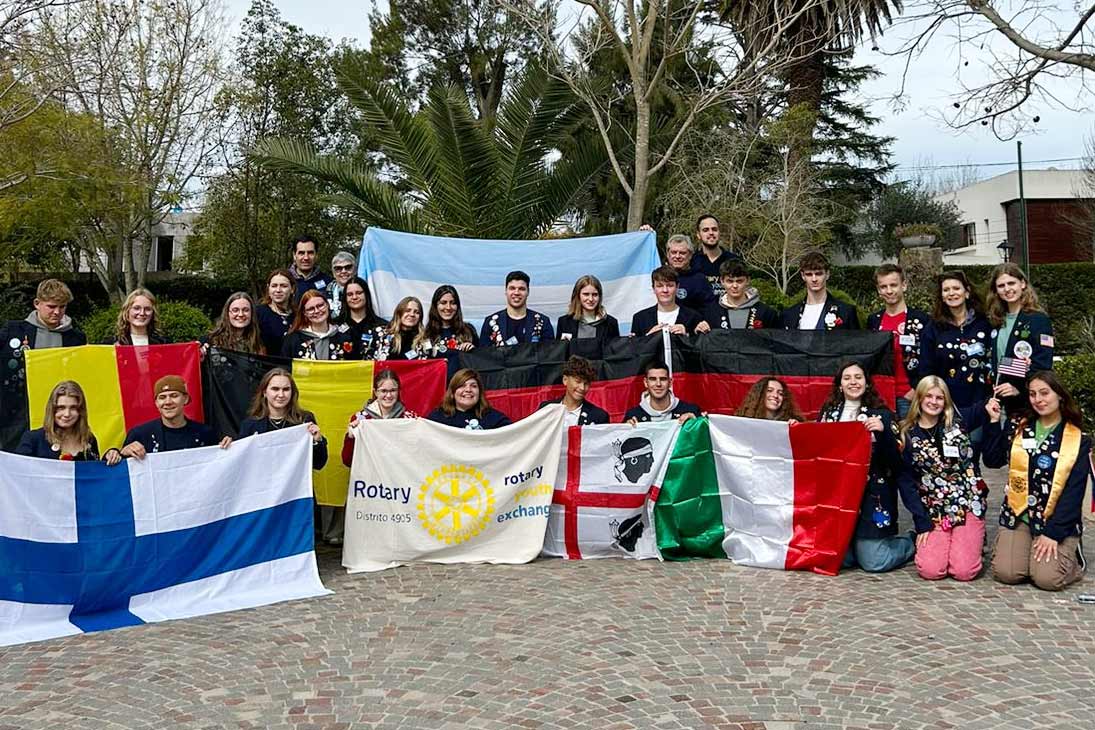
[{"x": 1019, "y": 469}]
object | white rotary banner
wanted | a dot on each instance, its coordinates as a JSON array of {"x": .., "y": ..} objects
[{"x": 422, "y": 491}]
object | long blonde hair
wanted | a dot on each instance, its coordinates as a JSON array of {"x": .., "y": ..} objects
[
  {"x": 121, "y": 328},
  {"x": 912, "y": 418},
  {"x": 395, "y": 330},
  {"x": 995, "y": 307},
  {"x": 81, "y": 429}
]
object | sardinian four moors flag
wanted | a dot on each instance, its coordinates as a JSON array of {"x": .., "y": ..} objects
[
  {"x": 86, "y": 547},
  {"x": 398, "y": 264},
  {"x": 422, "y": 491},
  {"x": 608, "y": 477},
  {"x": 763, "y": 493}
]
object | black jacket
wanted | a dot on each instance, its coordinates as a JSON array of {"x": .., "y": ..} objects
[
  {"x": 34, "y": 443},
  {"x": 590, "y": 414},
  {"x": 1033, "y": 334},
  {"x": 835, "y": 315},
  {"x": 761, "y": 316},
  {"x": 606, "y": 329},
  {"x": 252, "y": 426},
  {"x": 645, "y": 319},
  {"x": 469, "y": 421}
]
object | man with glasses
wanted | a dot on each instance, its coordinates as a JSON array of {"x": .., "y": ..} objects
[{"x": 343, "y": 265}]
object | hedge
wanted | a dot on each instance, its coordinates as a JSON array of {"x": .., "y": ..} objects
[
  {"x": 179, "y": 322},
  {"x": 1077, "y": 372}
]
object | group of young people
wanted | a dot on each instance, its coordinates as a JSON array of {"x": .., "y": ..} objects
[{"x": 974, "y": 383}]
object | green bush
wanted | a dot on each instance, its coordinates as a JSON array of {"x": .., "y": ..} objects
[
  {"x": 770, "y": 294},
  {"x": 1077, "y": 372},
  {"x": 179, "y": 322}
]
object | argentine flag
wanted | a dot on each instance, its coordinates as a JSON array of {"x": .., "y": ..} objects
[
  {"x": 87, "y": 547},
  {"x": 398, "y": 265}
]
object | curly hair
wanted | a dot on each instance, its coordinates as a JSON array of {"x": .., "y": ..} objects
[{"x": 753, "y": 405}]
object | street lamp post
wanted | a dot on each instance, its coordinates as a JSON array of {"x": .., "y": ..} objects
[{"x": 1005, "y": 250}]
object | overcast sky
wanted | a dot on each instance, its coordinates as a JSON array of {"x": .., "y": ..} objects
[{"x": 921, "y": 139}]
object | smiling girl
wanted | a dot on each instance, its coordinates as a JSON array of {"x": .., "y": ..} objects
[
  {"x": 771, "y": 399},
  {"x": 237, "y": 329},
  {"x": 138, "y": 321},
  {"x": 465, "y": 405},
  {"x": 1048, "y": 459},
  {"x": 275, "y": 313},
  {"x": 877, "y": 547},
  {"x": 1021, "y": 330},
  {"x": 586, "y": 316},
  {"x": 65, "y": 434}
]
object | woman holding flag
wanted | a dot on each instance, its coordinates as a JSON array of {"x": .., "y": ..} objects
[
  {"x": 877, "y": 548},
  {"x": 276, "y": 405},
  {"x": 465, "y": 405},
  {"x": 770, "y": 399},
  {"x": 1022, "y": 333},
  {"x": 447, "y": 334},
  {"x": 939, "y": 483},
  {"x": 65, "y": 433},
  {"x": 1048, "y": 459},
  {"x": 384, "y": 403}
]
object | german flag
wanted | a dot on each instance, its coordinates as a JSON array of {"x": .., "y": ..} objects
[
  {"x": 333, "y": 391},
  {"x": 117, "y": 382},
  {"x": 713, "y": 370}
]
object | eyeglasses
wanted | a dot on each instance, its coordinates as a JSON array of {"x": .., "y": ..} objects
[
  {"x": 346, "y": 267},
  {"x": 388, "y": 391},
  {"x": 316, "y": 309}
]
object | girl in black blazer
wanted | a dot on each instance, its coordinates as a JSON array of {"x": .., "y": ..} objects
[
  {"x": 586, "y": 317},
  {"x": 65, "y": 434}
]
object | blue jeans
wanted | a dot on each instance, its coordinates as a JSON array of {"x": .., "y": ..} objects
[
  {"x": 881, "y": 555},
  {"x": 902, "y": 408}
]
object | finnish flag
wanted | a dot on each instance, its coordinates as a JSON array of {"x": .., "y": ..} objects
[{"x": 86, "y": 547}]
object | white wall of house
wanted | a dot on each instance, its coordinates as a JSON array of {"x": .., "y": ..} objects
[{"x": 981, "y": 206}]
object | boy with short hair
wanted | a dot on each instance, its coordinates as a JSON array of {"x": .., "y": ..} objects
[
  {"x": 516, "y": 323},
  {"x": 667, "y": 313},
  {"x": 578, "y": 375},
  {"x": 172, "y": 431},
  {"x": 740, "y": 306},
  {"x": 658, "y": 402},
  {"x": 820, "y": 310},
  {"x": 907, "y": 325}
]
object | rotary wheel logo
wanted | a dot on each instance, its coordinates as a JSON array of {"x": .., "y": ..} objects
[{"x": 455, "y": 503}]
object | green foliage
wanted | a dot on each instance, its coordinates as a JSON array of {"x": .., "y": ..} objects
[
  {"x": 895, "y": 206},
  {"x": 179, "y": 322},
  {"x": 1077, "y": 372},
  {"x": 770, "y": 294},
  {"x": 464, "y": 178},
  {"x": 284, "y": 86}
]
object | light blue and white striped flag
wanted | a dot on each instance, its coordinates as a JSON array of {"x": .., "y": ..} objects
[
  {"x": 86, "y": 547},
  {"x": 397, "y": 265}
]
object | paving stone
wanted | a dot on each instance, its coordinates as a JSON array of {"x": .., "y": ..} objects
[{"x": 595, "y": 644}]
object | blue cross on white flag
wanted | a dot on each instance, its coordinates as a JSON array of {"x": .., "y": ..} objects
[{"x": 87, "y": 547}]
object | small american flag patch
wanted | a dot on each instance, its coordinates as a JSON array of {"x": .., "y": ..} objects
[{"x": 1046, "y": 340}]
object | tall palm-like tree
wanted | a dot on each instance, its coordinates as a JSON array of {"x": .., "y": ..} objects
[
  {"x": 819, "y": 27},
  {"x": 447, "y": 173}
]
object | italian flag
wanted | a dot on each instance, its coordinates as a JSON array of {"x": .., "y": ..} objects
[{"x": 763, "y": 493}]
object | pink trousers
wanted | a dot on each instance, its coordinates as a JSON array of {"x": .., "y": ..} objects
[{"x": 955, "y": 552}]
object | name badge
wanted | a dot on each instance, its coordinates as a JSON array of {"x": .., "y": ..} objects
[
  {"x": 411, "y": 355},
  {"x": 950, "y": 451},
  {"x": 908, "y": 340},
  {"x": 511, "y": 341},
  {"x": 975, "y": 348},
  {"x": 1029, "y": 444},
  {"x": 565, "y": 336}
]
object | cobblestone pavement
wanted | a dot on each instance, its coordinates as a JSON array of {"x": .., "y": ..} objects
[{"x": 598, "y": 644}]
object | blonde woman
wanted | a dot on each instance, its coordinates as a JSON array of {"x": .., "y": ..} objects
[
  {"x": 402, "y": 339},
  {"x": 938, "y": 482},
  {"x": 138, "y": 321},
  {"x": 586, "y": 317},
  {"x": 65, "y": 434}
]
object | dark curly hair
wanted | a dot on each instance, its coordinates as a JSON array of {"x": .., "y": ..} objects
[
  {"x": 871, "y": 398},
  {"x": 753, "y": 406}
]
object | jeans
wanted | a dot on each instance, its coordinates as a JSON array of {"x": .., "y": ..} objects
[{"x": 881, "y": 555}]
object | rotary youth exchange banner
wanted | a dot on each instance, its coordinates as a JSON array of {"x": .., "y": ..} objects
[
  {"x": 86, "y": 547},
  {"x": 398, "y": 264},
  {"x": 422, "y": 491},
  {"x": 764, "y": 493},
  {"x": 608, "y": 478}
]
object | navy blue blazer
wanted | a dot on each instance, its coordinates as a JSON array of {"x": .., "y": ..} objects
[
  {"x": 1031, "y": 337},
  {"x": 645, "y": 319},
  {"x": 835, "y": 315},
  {"x": 916, "y": 321},
  {"x": 590, "y": 415},
  {"x": 34, "y": 443}
]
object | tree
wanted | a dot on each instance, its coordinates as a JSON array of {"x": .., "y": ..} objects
[
  {"x": 147, "y": 72},
  {"x": 903, "y": 202},
  {"x": 730, "y": 63},
  {"x": 451, "y": 174},
  {"x": 474, "y": 45},
  {"x": 812, "y": 32},
  {"x": 281, "y": 85},
  {"x": 1022, "y": 50},
  {"x": 1083, "y": 219}
]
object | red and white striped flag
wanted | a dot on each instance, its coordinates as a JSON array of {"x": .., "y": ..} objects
[
  {"x": 1013, "y": 366},
  {"x": 607, "y": 475}
]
